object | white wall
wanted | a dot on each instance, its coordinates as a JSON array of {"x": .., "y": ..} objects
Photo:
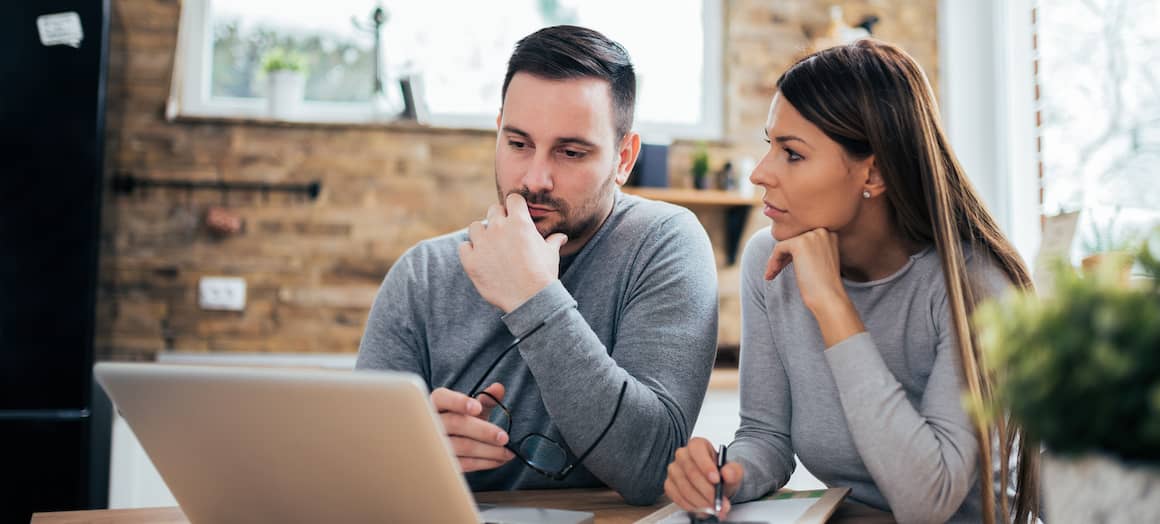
[{"x": 133, "y": 481}]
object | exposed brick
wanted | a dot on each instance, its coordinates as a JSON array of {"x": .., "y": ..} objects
[{"x": 313, "y": 267}]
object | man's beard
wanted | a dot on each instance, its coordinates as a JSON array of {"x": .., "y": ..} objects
[{"x": 587, "y": 217}]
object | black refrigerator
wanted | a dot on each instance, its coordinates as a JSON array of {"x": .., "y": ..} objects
[{"x": 54, "y": 425}]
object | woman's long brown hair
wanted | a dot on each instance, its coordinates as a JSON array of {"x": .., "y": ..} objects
[{"x": 873, "y": 99}]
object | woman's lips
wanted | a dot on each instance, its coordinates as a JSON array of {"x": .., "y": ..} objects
[{"x": 773, "y": 211}]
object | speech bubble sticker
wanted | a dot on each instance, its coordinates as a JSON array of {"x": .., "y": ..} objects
[{"x": 60, "y": 29}]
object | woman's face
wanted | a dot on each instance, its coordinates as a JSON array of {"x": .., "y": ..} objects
[{"x": 809, "y": 180}]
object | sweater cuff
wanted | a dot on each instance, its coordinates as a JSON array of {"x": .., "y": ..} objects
[
  {"x": 856, "y": 362},
  {"x": 747, "y": 491},
  {"x": 535, "y": 311}
]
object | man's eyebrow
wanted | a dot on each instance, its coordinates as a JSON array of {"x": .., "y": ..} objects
[
  {"x": 576, "y": 140},
  {"x": 516, "y": 131},
  {"x": 559, "y": 142}
]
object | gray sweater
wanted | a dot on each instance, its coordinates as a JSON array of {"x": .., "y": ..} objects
[
  {"x": 637, "y": 303},
  {"x": 880, "y": 412}
]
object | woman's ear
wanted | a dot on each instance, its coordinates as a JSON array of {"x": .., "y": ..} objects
[{"x": 873, "y": 182}]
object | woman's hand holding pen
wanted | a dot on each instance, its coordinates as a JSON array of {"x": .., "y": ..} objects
[{"x": 693, "y": 478}]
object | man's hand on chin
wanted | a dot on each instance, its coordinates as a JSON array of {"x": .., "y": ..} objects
[{"x": 507, "y": 259}]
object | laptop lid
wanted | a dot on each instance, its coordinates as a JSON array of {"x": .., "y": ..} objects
[{"x": 277, "y": 445}]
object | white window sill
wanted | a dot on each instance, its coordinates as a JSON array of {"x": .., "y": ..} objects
[
  {"x": 289, "y": 360},
  {"x": 399, "y": 124}
]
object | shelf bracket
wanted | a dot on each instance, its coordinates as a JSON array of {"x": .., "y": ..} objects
[{"x": 735, "y": 219}]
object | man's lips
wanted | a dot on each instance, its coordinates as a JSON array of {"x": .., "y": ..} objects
[{"x": 539, "y": 211}]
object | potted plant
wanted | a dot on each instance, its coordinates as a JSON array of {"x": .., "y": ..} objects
[
  {"x": 701, "y": 167},
  {"x": 1081, "y": 372},
  {"x": 285, "y": 74}
]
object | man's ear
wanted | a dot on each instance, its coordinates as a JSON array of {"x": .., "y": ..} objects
[{"x": 626, "y": 156}]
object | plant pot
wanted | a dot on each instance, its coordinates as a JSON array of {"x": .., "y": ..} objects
[
  {"x": 1117, "y": 264},
  {"x": 285, "y": 93},
  {"x": 1097, "y": 488}
]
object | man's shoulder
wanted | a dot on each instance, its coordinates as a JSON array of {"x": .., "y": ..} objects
[
  {"x": 435, "y": 251},
  {"x": 445, "y": 243},
  {"x": 641, "y": 215},
  {"x": 646, "y": 209}
]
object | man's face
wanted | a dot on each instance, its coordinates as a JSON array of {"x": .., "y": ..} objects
[{"x": 557, "y": 146}]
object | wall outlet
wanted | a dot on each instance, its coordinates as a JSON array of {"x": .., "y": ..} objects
[{"x": 222, "y": 293}]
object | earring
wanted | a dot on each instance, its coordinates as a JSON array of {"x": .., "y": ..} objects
[{"x": 865, "y": 194}]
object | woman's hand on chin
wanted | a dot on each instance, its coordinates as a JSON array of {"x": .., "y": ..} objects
[{"x": 817, "y": 266}]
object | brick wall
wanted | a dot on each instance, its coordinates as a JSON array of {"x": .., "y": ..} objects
[{"x": 313, "y": 266}]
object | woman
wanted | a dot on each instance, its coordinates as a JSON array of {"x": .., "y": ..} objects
[{"x": 852, "y": 309}]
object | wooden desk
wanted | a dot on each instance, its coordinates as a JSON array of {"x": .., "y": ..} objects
[{"x": 606, "y": 504}]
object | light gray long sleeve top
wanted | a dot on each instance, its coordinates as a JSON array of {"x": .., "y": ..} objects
[
  {"x": 638, "y": 303},
  {"x": 880, "y": 412}
]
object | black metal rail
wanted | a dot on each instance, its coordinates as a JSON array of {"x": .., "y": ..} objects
[{"x": 126, "y": 183}]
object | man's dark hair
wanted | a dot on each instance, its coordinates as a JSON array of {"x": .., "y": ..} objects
[{"x": 565, "y": 52}]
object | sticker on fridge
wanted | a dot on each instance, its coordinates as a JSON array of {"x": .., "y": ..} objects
[{"x": 60, "y": 29}]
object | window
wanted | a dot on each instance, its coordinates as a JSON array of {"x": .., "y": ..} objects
[
  {"x": 1100, "y": 96},
  {"x": 459, "y": 49},
  {"x": 987, "y": 101}
]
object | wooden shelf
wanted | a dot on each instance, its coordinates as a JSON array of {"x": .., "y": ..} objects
[
  {"x": 735, "y": 207},
  {"x": 690, "y": 197}
]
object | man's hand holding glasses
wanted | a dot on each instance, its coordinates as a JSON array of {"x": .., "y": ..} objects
[
  {"x": 478, "y": 426},
  {"x": 478, "y": 444}
]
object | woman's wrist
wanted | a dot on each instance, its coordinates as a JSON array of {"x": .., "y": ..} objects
[{"x": 838, "y": 320}]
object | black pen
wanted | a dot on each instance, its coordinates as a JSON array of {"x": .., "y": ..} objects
[{"x": 718, "y": 499}]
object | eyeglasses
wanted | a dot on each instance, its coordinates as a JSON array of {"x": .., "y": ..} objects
[{"x": 538, "y": 451}]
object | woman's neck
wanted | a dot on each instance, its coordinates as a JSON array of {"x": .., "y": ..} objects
[{"x": 874, "y": 251}]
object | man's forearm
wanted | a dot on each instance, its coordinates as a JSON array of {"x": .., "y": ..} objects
[{"x": 580, "y": 382}]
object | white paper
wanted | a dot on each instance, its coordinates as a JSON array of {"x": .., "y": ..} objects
[
  {"x": 60, "y": 29},
  {"x": 772, "y": 511}
]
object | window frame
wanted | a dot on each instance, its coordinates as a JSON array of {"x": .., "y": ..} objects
[
  {"x": 986, "y": 61},
  {"x": 190, "y": 87}
]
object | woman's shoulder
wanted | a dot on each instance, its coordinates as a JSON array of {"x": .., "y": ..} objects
[
  {"x": 761, "y": 242},
  {"x": 985, "y": 274},
  {"x": 757, "y": 251}
]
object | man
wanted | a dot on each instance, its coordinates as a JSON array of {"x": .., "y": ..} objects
[{"x": 589, "y": 315}]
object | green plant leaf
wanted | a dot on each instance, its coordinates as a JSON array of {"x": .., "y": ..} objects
[
  {"x": 279, "y": 59},
  {"x": 1080, "y": 370}
]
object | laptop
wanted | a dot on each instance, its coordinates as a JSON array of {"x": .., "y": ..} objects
[{"x": 277, "y": 445}]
